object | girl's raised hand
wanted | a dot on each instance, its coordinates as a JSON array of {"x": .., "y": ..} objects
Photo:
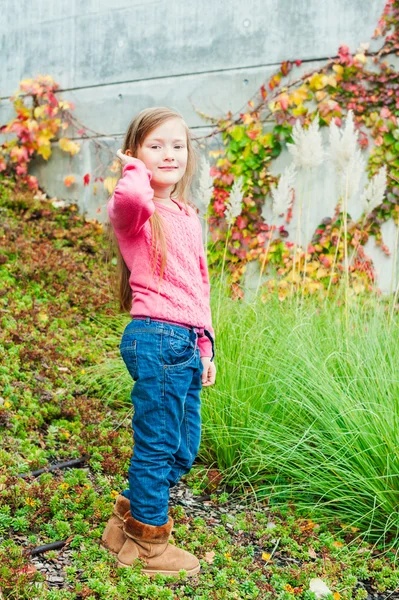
[{"x": 125, "y": 159}]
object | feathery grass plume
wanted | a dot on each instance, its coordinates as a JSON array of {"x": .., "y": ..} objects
[
  {"x": 307, "y": 152},
  {"x": 307, "y": 149},
  {"x": 343, "y": 143},
  {"x": 205, "y": 182},
  {"x": 234, "y": 202},
  {"x": 346, "y": 155},
  {"x": 282, "y": 192},
  {"x": 233, "y": 209},
  {"x": 281, "y": 200},
  {"x": 371, "y": 197},
  {"x": 374, "y": 192},
  {"x": 350, "y": 165}
]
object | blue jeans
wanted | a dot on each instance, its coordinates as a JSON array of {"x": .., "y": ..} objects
[{"x": 164, "y": 362}]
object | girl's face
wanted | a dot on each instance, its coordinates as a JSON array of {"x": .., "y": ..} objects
[{"x": 165, "y": 146}]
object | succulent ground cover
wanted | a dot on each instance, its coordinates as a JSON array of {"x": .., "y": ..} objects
[{"x": 58, "y": 321}]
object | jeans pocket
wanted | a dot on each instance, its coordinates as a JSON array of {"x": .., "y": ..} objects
[
  {"x": 177, "y": 349},
  {"x": 128, "y": 351}
]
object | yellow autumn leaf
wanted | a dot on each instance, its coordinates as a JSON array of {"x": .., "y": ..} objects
[
  {"x": 321, "y": 272},
  {"x": 247, "y": 119},
  {"x": 266, "y": 556},
  {"x": 115, "y": 166},
  {"x": 332, "y": 80},
  {"x": 320, "y": 95},
  {"x": 266, "y": 140},
  {"x": 215, "y": 153},
  {"x": 39, "y": 112},
  {"x": 64, "y": 105},
  {"x": 360, "y": 57},
  {"x": 358, "y": 287},
  {"x": 110, "y": 183},
  {"x": 317, "y": 81},
  {"x": 299, "y": 110},
  {"x": 312, "y": 266},
  {"x": 299, "y": 96},
  {"x": 338, "y": 544},
  {"x": 336, "y": 595},
  {"x": 69, "y": 146},
  {"x": 44, "y": 147},
  {"x": 339, "y": 69},
  {"x": 315, "y": 285}
]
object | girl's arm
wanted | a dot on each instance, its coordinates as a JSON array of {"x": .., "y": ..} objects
[
  {"x": 204, "y": 343},
  {"x": 131, "y": 205}
]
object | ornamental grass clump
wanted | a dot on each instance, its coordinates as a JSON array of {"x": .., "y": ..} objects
[{"x": 312, "y": 413}]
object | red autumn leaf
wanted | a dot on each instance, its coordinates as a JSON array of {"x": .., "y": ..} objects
[
  {"x": 86, "y": 179},
  {"x": 263, "y": 92}
]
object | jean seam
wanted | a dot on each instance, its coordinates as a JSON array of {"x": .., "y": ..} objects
[
  {"x": 187, "y": 434},
  {"x": 164, "y": 480}
]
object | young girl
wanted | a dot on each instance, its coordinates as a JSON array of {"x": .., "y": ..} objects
[{"x": 168, "y": 346}]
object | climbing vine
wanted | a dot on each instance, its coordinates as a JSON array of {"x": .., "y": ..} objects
[
  {"x": 251, "y": 141},
  {"x": 42, "y": 118},
  {"x": 344, "y": 83}
]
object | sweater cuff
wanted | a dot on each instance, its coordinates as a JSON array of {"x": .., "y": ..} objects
[{"x": 205, "y": 346}]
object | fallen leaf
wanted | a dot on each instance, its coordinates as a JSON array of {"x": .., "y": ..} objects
[
  {"x": 319, "y": 588},
  {"x": 266, "y": 556},
  {"x": 209, "y": 556},
  {"x": 312, "y": 553}
]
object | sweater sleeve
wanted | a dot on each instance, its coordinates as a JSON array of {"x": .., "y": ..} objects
[
  {"x": 204, "y": 343},
  {"x": 131, "y": 204}
]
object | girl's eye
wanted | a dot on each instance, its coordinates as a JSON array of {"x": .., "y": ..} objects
[{"x": 160, "y": 146}]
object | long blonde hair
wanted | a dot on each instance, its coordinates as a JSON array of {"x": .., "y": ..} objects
[{"x": 140, "y": 127}]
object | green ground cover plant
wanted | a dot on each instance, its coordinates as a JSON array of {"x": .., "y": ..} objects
[{"x": 300, "y": 429}]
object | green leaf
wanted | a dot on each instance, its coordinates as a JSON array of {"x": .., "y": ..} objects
[
  {"x": 276, "y": 150},
  {"x": 237, "y": 133},
  {"x": 388, "y": 139}
]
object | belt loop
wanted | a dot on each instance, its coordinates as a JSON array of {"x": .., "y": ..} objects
[{"x": 147, "y": 320}]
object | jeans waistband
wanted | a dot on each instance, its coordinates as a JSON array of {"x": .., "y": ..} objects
[{"x": 200, "y": 331}]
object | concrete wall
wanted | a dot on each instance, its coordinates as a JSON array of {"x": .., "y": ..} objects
[{"x": 112, "y": 59}]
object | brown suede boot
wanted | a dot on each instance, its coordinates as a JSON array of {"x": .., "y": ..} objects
[
  {"x": 113, "y": 537},
  {"x": 151, "y": 543}
]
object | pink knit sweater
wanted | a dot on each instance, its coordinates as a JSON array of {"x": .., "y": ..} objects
[{"x": 185, "y": 289}]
